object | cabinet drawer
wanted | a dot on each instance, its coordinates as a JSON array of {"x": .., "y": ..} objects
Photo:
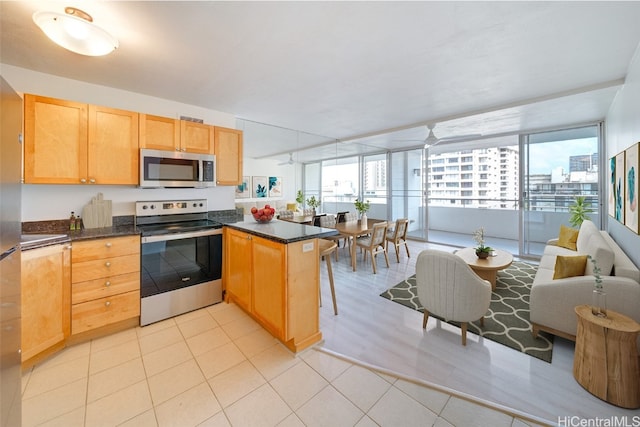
[
  {"x": 107, "y": 267},
  {"x": 104, "y": 311},
  {"x": 104, "y": 248},
  {"x": 105, "y": 287}
]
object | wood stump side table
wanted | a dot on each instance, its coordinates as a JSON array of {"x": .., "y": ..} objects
[{"x": 606, "y": 362}]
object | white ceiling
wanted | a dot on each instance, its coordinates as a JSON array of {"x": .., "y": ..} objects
[{"x": 352, "y": 71}]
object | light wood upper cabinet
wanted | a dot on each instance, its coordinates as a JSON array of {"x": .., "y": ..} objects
[
  {"x": 159, "y": 133},
  {"x": 46, "y": 283},
  {"x": 163, "y": 133},
  {"x": 73, "y": 143},
  {"x": 113, "y": 146},
  {"x": 196, "y": 137},
  {"x": 228, "y": 151},
  {"x": 55, "y": 140}
]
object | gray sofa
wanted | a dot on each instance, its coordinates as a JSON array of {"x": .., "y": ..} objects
[{"x": 552, "y": 301}]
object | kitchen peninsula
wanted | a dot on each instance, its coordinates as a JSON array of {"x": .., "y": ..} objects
[{"x": 272, "y": 272}]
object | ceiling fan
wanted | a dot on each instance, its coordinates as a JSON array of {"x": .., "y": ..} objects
[
  {"x": 432, "y": 139},
  {"x": 288, "y": 162}
]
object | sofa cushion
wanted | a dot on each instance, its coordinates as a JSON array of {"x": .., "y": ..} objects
[
  {"x": 568, "y": 237},
  {"x": 587, "y": 229},
  {"x": 569, "y": 266},
  {"x": 601, "y": 252}
]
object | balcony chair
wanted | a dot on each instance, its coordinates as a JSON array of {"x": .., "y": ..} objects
[
  {"x": 448, "y": 288},
  {"x": 398, "y": 237},
  {"x": 375, "y": 244}
]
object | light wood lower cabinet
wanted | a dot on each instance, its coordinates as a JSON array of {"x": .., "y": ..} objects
[
  {"x": 105, "y": 282},
  {"x": 276, "y": 283},
  {"x": 46, "y": 283}
]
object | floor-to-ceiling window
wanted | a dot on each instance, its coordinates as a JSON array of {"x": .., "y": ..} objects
[
  {"x": 471, "y": 185},
  {"x": 558, "y": 166},
  {"x": 406, "y": 173},
  {"x": 517, "y": 187}
]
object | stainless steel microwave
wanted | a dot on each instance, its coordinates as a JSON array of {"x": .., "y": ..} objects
[{"x": 160, "y": 168}]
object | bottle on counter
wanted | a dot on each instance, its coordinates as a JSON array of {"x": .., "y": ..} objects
[
  {"x": 72, "y": 221},
  {"x": 78, "y": 223}
]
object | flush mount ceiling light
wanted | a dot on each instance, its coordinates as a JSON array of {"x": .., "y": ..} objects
[{"x": 76, "y": 32}]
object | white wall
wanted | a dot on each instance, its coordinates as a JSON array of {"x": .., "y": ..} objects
[
  {"x": 622, "y": 131},
  {"x": 46, "y": 202}
]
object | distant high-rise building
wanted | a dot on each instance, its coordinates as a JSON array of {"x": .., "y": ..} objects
[{"x": 583, "y": 163}]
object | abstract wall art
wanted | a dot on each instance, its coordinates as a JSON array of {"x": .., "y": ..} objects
[
  {"x": 260, "y": 186},
  {"x": 631, "y": 189},
  {"x": 275, "y": 186},
  {"x": 243, "y": 190},
  {"x": 620, "y": 181}
]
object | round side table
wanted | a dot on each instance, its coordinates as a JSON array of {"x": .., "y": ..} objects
[{"x": 605, "y": 362}]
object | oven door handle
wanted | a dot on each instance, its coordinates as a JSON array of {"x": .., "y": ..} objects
[{"x": 178, "y": 236}]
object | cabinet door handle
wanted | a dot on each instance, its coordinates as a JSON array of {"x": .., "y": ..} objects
[
  {"x": 82, "y": 180},
  {"x": 108, "y": 244},
  {"x": 107, "y": 264},
  {"x": 107, "y": 304},
  {"x": 107, "y": 283},
  {"x": 93, "y": 181}
]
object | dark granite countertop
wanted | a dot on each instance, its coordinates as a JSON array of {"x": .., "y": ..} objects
[
  {"x": 282, "y": 231},
  {"x": 122, "y": 226}
]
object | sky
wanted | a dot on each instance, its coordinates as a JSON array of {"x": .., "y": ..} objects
[{"x": 544, "y": 157}]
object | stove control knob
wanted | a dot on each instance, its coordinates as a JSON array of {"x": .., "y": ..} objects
[
  {"x": 195, "y": 205},
  {"x": 152, "y": 207},
  {"x": 144, "y": 207},
  {"x": 201, "y": 204}
]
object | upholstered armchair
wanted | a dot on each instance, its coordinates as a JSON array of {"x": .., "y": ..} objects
[{"x": 448, "y": 288}]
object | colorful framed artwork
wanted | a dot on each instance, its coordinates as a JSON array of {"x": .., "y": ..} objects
[
  {"x": 243, "y": 190},
  {"x": 631, "y": 189},
  {"x": 611, "y": 205},
  {"x": 259, "y": 186},
  {"x": 619, "y": 188},
  {"x": 275, "y": 186}
]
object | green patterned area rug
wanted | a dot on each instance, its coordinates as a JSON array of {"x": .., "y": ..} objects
[{"x": 507, "y": 321}]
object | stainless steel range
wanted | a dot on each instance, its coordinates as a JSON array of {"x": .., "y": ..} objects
[{"x": 181, "y": 258}]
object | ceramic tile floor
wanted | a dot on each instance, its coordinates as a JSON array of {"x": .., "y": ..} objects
[{"x": 217, "y": 367}]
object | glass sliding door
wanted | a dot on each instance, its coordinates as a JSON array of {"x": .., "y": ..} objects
[
  {"x": 340, "y": 184},
  {"x": 557, "y": 167},
  {"x": 374, "y": 184},
  {"x": 406, "y": 194}
]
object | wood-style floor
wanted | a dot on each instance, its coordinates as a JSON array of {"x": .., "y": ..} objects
[{"x": 382, "y": 333}]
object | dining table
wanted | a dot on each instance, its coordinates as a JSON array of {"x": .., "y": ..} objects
[{"x": 353, "y": 229}]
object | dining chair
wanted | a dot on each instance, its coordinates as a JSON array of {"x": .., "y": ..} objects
[
  {"x": 329, "y": 221},
  {"x": 375, "y": 244},
  {"x": 398, "y": 237},
  {"x": 448, "y": 288},
  {"x": 350, "y": 216}
]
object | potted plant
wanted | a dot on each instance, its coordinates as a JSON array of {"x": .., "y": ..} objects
[
  {"x": 482, "y": 251},
  {"x": 300, "y": 198},
  {"x": 579, "y": 211},
  {"x": 362, "y": 207},
  {"x": 313, "y": 203}
]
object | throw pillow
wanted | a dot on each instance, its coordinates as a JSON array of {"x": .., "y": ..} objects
[
  {"x": 568, "y": 237},
  {"x": 569, "y": 266}
]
